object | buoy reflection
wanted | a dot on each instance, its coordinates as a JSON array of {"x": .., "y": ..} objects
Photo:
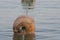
[{"x": 27, "y": 37}]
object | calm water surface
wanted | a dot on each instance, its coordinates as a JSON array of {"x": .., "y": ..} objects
[{"x": 46, "y": 15}]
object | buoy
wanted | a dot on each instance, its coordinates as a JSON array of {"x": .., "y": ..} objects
[{"x": 24, "y": 24}]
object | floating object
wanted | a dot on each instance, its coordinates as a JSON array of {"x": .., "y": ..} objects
[{"x": 24, "y": 24}]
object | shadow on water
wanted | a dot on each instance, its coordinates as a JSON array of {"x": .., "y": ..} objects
[{"x": 27, "y": 37}]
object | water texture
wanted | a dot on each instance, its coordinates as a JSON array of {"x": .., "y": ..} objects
[{"x": 46, "y": 15}]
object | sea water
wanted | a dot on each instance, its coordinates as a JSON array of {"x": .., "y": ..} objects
[{"x": 46, "y": 15}]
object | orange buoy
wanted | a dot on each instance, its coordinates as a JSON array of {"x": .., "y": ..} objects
[{"x": 24, "y": 23}]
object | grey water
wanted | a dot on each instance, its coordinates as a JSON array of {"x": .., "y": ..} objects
[{"x": 46, "y": 15}]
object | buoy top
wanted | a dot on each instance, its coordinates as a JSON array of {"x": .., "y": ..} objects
[{"x": 23, "y": 19}]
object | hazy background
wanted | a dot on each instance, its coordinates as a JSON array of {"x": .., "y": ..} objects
[{"x": 46, "y": 15}]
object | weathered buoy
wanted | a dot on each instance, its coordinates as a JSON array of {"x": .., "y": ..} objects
[{"x": 24, "y": 24}]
